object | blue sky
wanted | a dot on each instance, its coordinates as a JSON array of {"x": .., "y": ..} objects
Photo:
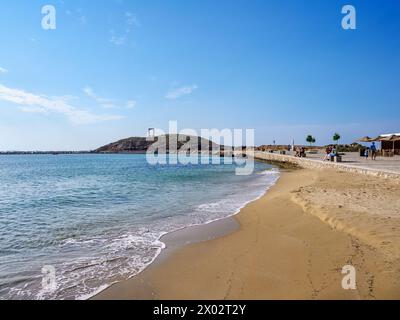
[{"x": 114, "y": 68}]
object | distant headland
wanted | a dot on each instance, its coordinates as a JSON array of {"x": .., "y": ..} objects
[{"x": 137, "y": 145}]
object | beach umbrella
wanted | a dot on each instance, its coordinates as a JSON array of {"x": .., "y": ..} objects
[{"x": 366, "y": 139}]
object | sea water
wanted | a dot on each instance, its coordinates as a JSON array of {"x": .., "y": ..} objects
[{"x": 98, "y": 219}]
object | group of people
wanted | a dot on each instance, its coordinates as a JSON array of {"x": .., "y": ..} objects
[
  {"x": 371, "y": 151},
  {"x": 300, "y": 152},
  {"x": 330, "y": 153}
]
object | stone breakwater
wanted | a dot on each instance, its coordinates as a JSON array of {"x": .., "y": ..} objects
[{"x": 317, "y": 164}]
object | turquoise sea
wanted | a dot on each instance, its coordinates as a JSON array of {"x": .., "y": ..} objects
[{"x": 98, "y": 219}]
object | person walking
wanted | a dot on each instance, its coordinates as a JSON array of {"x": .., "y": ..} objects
[
  {"x": 366, "y": 153},
  {"x": 373, "y": 151}
]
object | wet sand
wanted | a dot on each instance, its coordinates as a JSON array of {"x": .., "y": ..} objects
[{"x": 290, "y": 244}]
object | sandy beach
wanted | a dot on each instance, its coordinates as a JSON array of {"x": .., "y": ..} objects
[{"x": 290, "y": 244}]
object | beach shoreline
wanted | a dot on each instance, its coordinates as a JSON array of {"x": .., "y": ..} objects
[
  {"x": 286, "y": 246},
  {"x": 197, "y": 233}
]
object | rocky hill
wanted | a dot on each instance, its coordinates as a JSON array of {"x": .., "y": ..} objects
[
  {"x": 129, "y": 145},
  {"x": 141, "y": 145}
]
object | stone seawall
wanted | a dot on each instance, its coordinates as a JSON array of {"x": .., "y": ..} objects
[{"x": 317, "y": 164}]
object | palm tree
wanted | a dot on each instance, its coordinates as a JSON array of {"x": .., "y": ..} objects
[
  {"x": 336, "y": 138},
  {"x": 310, "y": 139},
  {"x": 314, "y": 140}
]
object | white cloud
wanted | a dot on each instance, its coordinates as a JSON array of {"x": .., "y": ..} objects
[
  {"x": 105, "y": 103},
  {"x": 131, "y": 104},
  {"x": 108, "y": 103},
  {"x": 30, "y": 102},
  {"x": 182, "y": 91},
  {"x": 89, "y": 92},
  {"x": 2, "y": 70},
  {"x": 131, "y": 22},
  {"x": 33, "y": 110},
  {"x": 118, "y": 40},
  {"x": 77, "y": 14}
]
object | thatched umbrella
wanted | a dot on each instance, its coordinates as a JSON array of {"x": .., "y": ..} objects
[
  {"x": 365, "y": 139},
  {"x": 368, "y": 139}
]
